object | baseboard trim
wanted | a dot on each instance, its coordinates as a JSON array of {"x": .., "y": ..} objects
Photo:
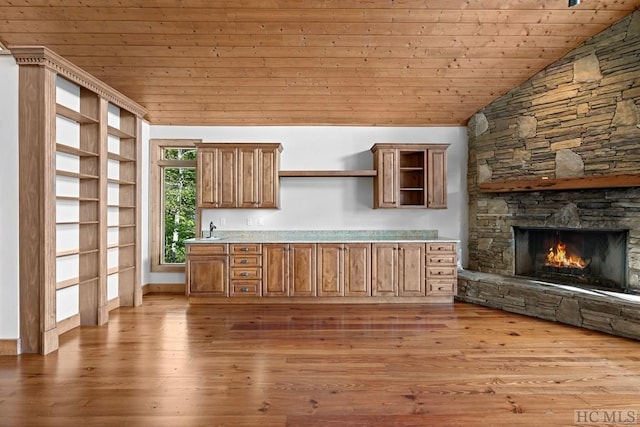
[
  {"x": 10, "y": 347},
  {"x": 163, "y": 288},
  {"x": 65, "y": 325},
  {"x": 113, "y": 304}
]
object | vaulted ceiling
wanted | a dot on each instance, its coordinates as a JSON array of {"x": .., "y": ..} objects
[{"x": 309, "y": 62}]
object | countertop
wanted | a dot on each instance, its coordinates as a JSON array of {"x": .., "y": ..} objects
[{"x": 322, "y": 236}]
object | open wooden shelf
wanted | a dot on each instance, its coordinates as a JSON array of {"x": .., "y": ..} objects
[
  {"x": 76, "y": 116},
  {"x": 327, "y": 173},
  {"x": 558, "y": 184},
  {"x": 119, "y": 133},
  {"x": 63, "y": 148},
  {"x": 75, "y": 175},
  {"x": 119, "y": 157}
]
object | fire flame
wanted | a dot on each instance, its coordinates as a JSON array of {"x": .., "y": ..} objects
[{"x": 559, "y": 258}]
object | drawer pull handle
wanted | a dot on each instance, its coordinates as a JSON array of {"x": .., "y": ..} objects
[
  {"x": 244, "y": 261},
  {"x": 440, "y": 288},
  {"x": 245, "y": 289},
  {"x": 244, "y": 249},
  {"x": 440, "y": 272},
  {"x": 244, "y": 273}
]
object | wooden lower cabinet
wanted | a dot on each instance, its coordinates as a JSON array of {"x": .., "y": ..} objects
[
  {"x": 398, "y": 269},
  {"x": 302, "y": 270},
  {"x": 207, "y": 270},
  {"x": 411, "y": 269},
  {"x": 441, "y": 268},
  {"x": 289, "y": 269},
  {"x": 275, "y": 269},
  {"x": 384, "y": 269},
  {"x": 344, "y": 269},
  {"x": 323, "y": 270}
]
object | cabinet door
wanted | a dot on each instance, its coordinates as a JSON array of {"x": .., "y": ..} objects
[
  {"x": 437, "y": 179},
  {"x": 207, "y": 275},
  {"x": 330, "y": 269},
  {"x": 206, "y": 170},
  {"x": 248, "y": 177},
  {"x": 268, "y": 182},
  {"x": 216, "y": 169},
  {"x": 384, "y": 269},
  {"x": 275, "y": 269},
  {"x": 302, "y": 269},
  {"x": 357, "y": 269},
  {"x": 386, "y": 183},
  {"x": 226, "y": 177},
  {"x": 411, "y": 281}
]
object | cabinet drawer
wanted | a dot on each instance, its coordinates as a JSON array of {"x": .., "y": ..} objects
[
  {"x": 441, "y": 287},
  {"x": 246, "y": 288},
  {"x": 441, "y": 247},
  {"x": 207, "y": 249},
  {"x": 246, "y": 261},
  {"x": 445, "y": 272},
  {"x": 246, "y": 273},
  {"x": 249, "y": 248},
  {"x": 440, "y": 259}
]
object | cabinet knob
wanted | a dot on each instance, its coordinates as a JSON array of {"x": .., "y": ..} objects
[
  {"x": 244, "y": 289},
  {"x": 440, "y": 288},
  {"x": 440, "y": 272},
  {"x": 244, "y": 261},
  {"x": 244, "y": 274},
  {"x": 244, "y": 249}
]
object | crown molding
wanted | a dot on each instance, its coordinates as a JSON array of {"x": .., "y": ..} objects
[{"x": 45, "y": 57}]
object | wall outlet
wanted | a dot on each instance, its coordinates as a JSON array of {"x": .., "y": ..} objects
[
  {"x": 250, "y": 221},
  {"x": 223, "y": 221},
  {"x": 260, "y": 220}
]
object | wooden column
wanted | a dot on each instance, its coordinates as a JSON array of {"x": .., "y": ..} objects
[{"x": 37, "y": 227}]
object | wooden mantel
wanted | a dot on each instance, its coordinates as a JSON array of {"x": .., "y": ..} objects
[{"x": 574, "y": 183}]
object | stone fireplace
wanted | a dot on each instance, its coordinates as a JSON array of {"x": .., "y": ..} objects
[
  {"x": 591, "y": 259},
  {"x": 562, "y": 152}
]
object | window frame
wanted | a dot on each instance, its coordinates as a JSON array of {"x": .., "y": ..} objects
[{"x": 156, "y": 149}]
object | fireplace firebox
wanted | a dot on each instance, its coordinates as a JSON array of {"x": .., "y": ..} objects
[{"x": 593, "y": 259}]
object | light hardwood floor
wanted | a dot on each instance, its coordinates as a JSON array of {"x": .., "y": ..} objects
[{"x": 170, "y": 364}]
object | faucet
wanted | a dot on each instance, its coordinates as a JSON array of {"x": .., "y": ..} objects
[{"x": 211, "y": 228}]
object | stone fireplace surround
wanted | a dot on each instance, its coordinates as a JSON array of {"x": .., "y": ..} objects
[
  {"x": 580, "y": 117},
  {"x": 617, "y": 314}
]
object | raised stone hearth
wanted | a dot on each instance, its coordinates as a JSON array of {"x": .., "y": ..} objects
[{"x": 617, "y": 314}]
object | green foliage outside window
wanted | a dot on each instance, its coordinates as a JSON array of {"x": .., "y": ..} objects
[{"x": 179, "y": 205}]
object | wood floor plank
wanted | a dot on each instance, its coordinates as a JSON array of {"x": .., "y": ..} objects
[{"x": 168, "y": 363}]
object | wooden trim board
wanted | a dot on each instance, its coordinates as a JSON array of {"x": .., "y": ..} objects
[{"x": 574, "y": 183}]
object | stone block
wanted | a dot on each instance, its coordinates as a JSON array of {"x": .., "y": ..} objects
[
  {"x": 569, "y": 312},
  {"x": 626, "y": 328},
  {"x": 568, "y": 164},
  {"x": 586, "y": 69}
]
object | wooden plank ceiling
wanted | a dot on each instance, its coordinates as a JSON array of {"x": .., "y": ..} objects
[{"x": 313, "y": 62}]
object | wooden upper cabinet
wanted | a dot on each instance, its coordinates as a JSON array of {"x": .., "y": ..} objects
[
  {"x": 410, "y": 176},
  {"x": 238, "y": 175},
  {"x": 386, "y": 183},
  {"x": 437, "y": 178},
  {"x": 216, "y": 172}
]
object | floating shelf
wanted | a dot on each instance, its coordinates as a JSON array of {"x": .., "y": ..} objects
[
  {"x": 328, "y": 173},
  {"x": 558, "y": 184}
]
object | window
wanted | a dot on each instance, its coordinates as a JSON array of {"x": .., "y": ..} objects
[{"x": 173, "y": 203}]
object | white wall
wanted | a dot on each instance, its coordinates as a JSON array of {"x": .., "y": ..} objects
[
  {"x": 9, "y": 259},
  {"x": 146, "y": 238},
  {"x": 335, "y": 203}
]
